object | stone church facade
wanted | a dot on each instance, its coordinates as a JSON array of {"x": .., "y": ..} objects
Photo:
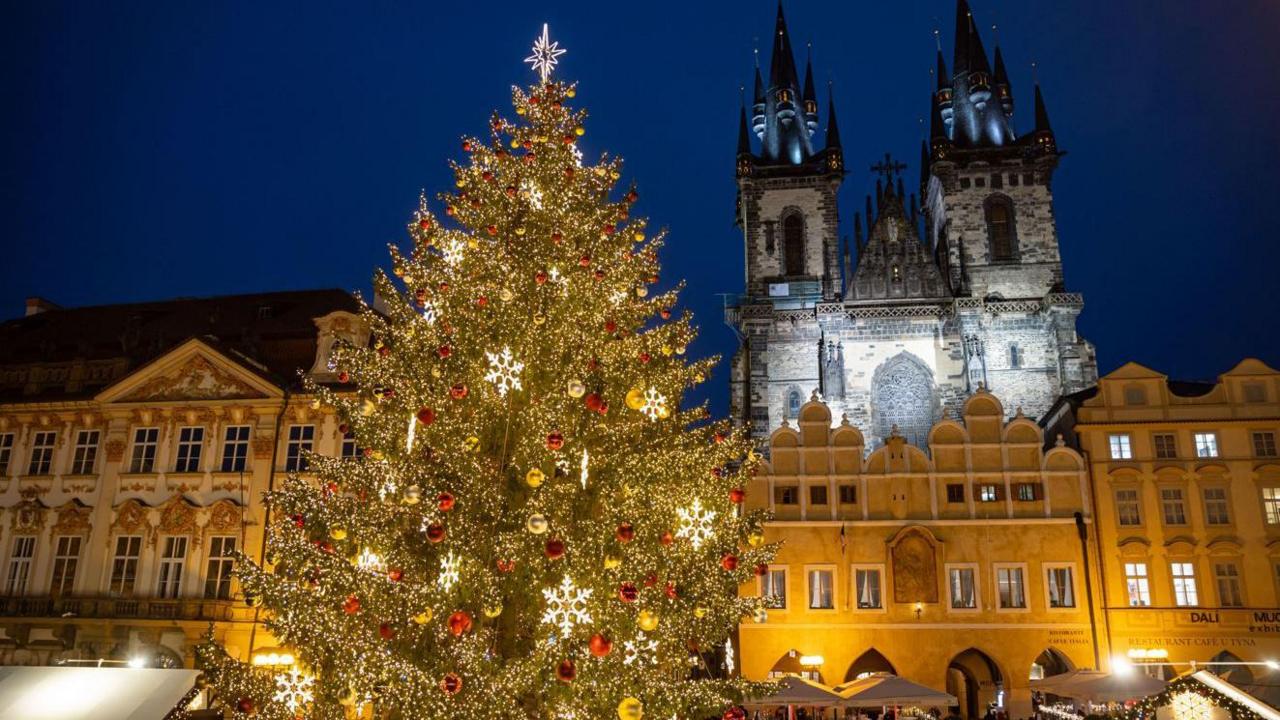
[{"x": 936, "y": 299}]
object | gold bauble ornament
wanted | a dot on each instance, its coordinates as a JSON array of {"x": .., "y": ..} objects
[
  {"x": 338, "y": 533},
  {"x": 667, "y": 350},
  {"x": 630, "y": 709},
  {"x": 760, "y": 615},
  {"x": 642, "y": 292},
  {"x": 539, "y": 319},
  {"x": 611, "y": 562},
  {"x": 520, "y": 230},
  {"x": 579, "y": 131},
  {"x": 576, "y": 388},
  {"x": 412, "y": 495},
  {"x": 614, "y": 175},
  {"x": 699, "y": 612},
  {"x": 435, "y": 372},
  {"x": 424, "y": 617},
  {"x": 755, "y": 539},
  {"x": 663, "y": 413},
  {"x": 506, "y": 295},
  {"x": 460, "y": 182},
  {"x": 571, "y": 93},
  {"x": 535, "y": 477},
  {"x": 515, "y": 143},
  {"x": 367, "y": 408},
  {"x": 682, "y": 350},
  {"x": 635, "y": 398},
  {"x": 472, "y": 443},
  {"x": 647, "y": 621},
  {"x": 376, "y": 455},
  {"x": 493, "y": 611},
  {"x": 537, "y": 523},
  {"x": 639, "y": 237},
  {"x": 520, "y": 111}
]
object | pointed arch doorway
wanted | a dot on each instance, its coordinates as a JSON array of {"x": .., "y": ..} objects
[
  {"x": 867, "y": 663},
  {"x": 976, "y": 681}
]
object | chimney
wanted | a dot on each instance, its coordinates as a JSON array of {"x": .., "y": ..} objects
[{"x": 37, "y": 305}]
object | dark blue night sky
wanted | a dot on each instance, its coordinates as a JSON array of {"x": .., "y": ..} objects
[{"x": 155, "y": 150}]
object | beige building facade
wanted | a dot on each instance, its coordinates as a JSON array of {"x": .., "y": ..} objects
[
  {"x": 135, "y": 444},
  {"x": 966, "y": 568}
]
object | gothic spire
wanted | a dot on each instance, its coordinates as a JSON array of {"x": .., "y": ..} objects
[
  {"x": 1004, "y": 91},
  {"x": 970, "y": 55},
  {"x": 782, "y": 65},
  {"x": 744, "y": 140},
  {"x": 833, "y": 129},
  {"x": 944, "y": 80},
  {"x": 1042, "y": 115}
]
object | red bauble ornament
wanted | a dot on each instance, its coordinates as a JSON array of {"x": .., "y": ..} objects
[
  {"x": 632, "y": 196},
  {"x": 600, "y": 645},
  {"x": 671, "y": 590},
  {"x": 540, "y": 278},
  {"x": 386, "y": 632},
  {"x": 246, "y": 706},
  {"x": 458, "y": 392},
  {"x": 628, "y": 592},
  {"x": 626, "y": 533},
  {"x": 667, "y": 538},
  {"x": 555, "y": 548},
  {"x": 610, "y": 326},
  {"x": 565, "y": 671},
  {"x": 384, "y": 351},
  {"x": 584, "y": 261},
  {"x": 608, "y": 229},
  {"x": 511, "y": 191},
  {"x": 737, "y": 495},
  {"x": 716, "y": 472},
  {"x": 604, "y": 408},
  {"x": 645, "y": 357},
  {"x": 298, "y": 520},
  {"x": 344, "y": 377},
  {"x": 734, "y": 713},
  {"x": 555, "y": 440},
  {"x": 395, "y": 574},
  {"x": 466, "y": 146},
  {"x": 344, "y": 428},
  {"x": 448, "y": 210},
  {"x": 482, "y": 301},
  {"x": 491, "y": 229},
  {"x": 435, "y": 532},
  {"x": 445, "y": 501},
  {"x": 487, "y": 175},
  {"x": 729, "y": 562},
  {"x": 326, "y": 546},
  {"x": 444, "y": 351},
  {"x": 556, "y": 237},
  {"x": 506, "y": 566},
  {"x": 718, "y": 437},
  {"x": 592, "y": 401},
  {"x": 650, "y": 580},
  {"x": 426, "y": 415},
  {"x": 451, "y": 684},
  {"x": 665, "y": 313},
  {"x": 351, "y": 605},
  {"x": 459, "y": 623},
  {"x": 568, "y": 172},
  {"x": 598, "y": 275}
]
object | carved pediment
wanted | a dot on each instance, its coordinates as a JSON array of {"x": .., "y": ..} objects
[
  {"x": 178, "y": 517},
  {"x": 73, "y": 519},
  {"x": 131, "y": 518},
  {"x": 28, "y": 517},
  {"x": 196, "y": 379},
  {"x": 224, "y": 516}
]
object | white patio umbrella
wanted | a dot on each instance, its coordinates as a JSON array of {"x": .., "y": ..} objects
[
  {"x": 1099, "y": 687},
  {"x": 795, "y": 690},
  {"x": 884, "y": 689}
]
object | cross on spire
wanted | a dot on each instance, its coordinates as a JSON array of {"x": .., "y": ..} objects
[{"x": 888, "y": 168}]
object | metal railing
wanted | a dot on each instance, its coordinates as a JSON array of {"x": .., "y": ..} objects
[{"x": 108, "y": 607}]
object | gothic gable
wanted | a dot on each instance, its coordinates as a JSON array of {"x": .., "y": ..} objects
[{"x": 192, "y": 371}]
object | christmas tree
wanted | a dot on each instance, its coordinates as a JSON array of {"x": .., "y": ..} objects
[{"x": 534, "y": 526}]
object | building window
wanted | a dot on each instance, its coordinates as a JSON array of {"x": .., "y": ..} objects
[
  {"x": 1135, "y": 395},
  {"x": 1264, "y": 444},
  {"x": 793, "y": 244},
  {"x": 1062, "y": 593},
  {"x": 1166, "y": 446},
  {"x": 6, "y": 451},
  {"x": 66, "y": 555},
  {"x": 955, "y": 492},
  {"x": 963, "y": 588},
  {"x": 1138, "y": 584},
  {"x": 848, "y": 494},
  {"x": 773, "y": 588},
  {"x": 866, "y": 585},
  {"x": 172, "y": 561},
  {"x": 1206, "y": 445},
  {"x": 1011, "y": 586},
  {"x": 1175, "y": 512},
  {"x": 1216, "y": 511},
  {"x": 821, "y": 586},
  {"x": 86, "y": 452},
  {"x": 1271, "y": 504},
  {"x": 190, "y": 441},
  {"x": 42, "y": 453},
  {"x": 349, "y": 449},
  {"x": 144, "y": 450},
  {"x": 988, "y": 493},
  {"x": 217, "y": 581},
  {"x": 786, "y": 495},
  {"x": 300, "y": 438},
  {"x": 235, "y": 448},
  {"x": 1015, "y": 357},
  {"x": 1120, "y": 447},
  {"x": 1184, "y": 584},
  {"x": 1227, "y": 577},
  {"x": 1027, "y": 492},
  {"x": 124, "y": 568},
  {"x": 24, "y": 547},
  {"x": 1001, "y": 235},
  {"x": 793, "y": 404},
  {"x": 817, "y": 494},
  {"x": 1255, "y": 392},
  {"x": 1128, "y": 508}
]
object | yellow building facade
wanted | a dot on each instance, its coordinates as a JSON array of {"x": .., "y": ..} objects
[
  {"x": 136, "y": 442},
  {"x": 1187, "y": 484},
  {"x": 967, "y": 567}
]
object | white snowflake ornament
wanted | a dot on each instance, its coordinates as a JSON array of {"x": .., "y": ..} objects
[
  {"x": 655, "y": 404},
  {"x": 695, "y": 524},
  {"x": 504, "y": 371},
  {"x": 294, "y": 689},
  {"x": 641, "y": 651},
  {"x": 450, "y": 567},
  {"x": 566, "y": 606}
]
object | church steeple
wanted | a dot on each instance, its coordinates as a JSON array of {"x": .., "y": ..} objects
[
  {"x": 1004, "y": 91},
  {"x": 810, "y": 96},
  {"x": 964, "y": 101},
  {"x": 786, "y": 136},
  {"x": 1042, "y": 136}
]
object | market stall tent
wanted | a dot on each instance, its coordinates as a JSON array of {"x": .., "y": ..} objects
[
  {"x": 1201, "y": 695},
  {"x": 1099, "y": 687},
  {"x": 93, "y": 693},
  {"x": 883, "y": 690}
]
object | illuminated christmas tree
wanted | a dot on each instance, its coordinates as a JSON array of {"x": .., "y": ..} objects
[{"x": 534, "y": 526}]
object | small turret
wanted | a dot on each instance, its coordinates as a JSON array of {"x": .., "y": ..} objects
[
  {"x": 1043, "y": 133},
  {"x": 810, "y": 96},
  {"x": 943, "y": 95},
  {"x": 870, "y": 218},
  {"x": 857, "y": 230},
  {"x": 835, "y": 153},
  {"x": 744, "y": 142},
  {"x": 758, "y": 103},
  {"x": 1003, "y": 90}
]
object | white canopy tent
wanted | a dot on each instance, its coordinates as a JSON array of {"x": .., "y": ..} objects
[
  {"x": 92, "y": 693},
  {"x": 794, "y": 690},
  {"x": 1099, "y": 687},
  {"x": 884, "y": 690}
]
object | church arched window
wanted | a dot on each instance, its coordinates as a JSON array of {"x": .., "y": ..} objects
[
  {"x": 793, "y": 244},
  {"x": 793, "y": 404},
  {"x": 1001, "y": 234},
  {"x": 1015, "y": 356}
]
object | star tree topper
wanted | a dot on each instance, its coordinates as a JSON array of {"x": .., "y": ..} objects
[{"x": 544, "y": 55}]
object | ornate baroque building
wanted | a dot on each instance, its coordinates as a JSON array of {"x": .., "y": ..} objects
[
  {"x": 135, "y": 444},
  {"x": 938, "y": 298}
]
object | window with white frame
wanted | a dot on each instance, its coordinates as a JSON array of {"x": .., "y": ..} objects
[
  {"x": 235, "y": 448},
  {"x": 962, "y": 587},
  {"x": 1271, "y": 504},
  {"x": 1175, "y": 512},
  {"x": 1227, "y": 577},
  {"x": 1206, "y": 445},
  {"x": 66, "y": 556},
  {"x": 1060, "y": 586},
  {"x": 1011, "y": 587},
  {"x": 6, "y": 452},
  {"x": 173, "y": 559},
  {"x": 773, "y": 588},
  {"x": 190, "y": 443},
  {"x": 349, "y": 449},
  {"x": 1216, "y": 509},
  {"x": 124, "y": 565},
  {"x": 1121, "y": 449},
  {"x": 85, "y": 455},
  {"x": 1184, "y": 584},
  {"x": 988, "y": 493},
  {"x": 1137, "y": 584},
  {"x": 42, "y": 444},
  {"x": 300, "y": 439},
  {"x": 1128, "y": 506},
  {"x": 217, "y": 580},
  {"x": 867, "y": 587},
  {"x": 822, "y": 589},
  {"x": 24, "y": 548},
  {"x": 143, "y": 459}
]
